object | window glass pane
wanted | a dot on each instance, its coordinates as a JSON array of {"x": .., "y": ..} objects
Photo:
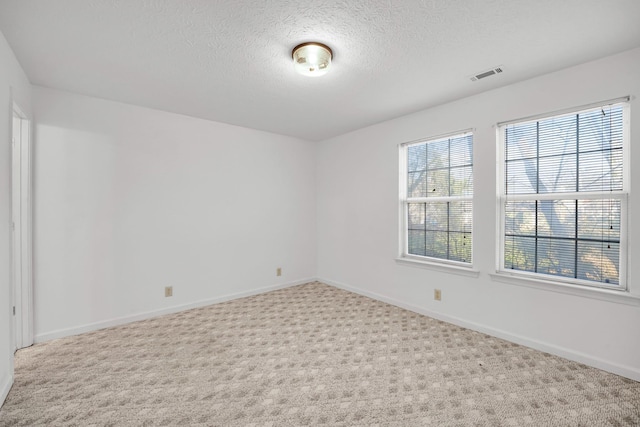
[
  {"x": 520, "y": 253},
  {"x": 601, "y": 170},
  {"x": 521, "y": 141},
  {"x": 436, "y": 216},
  {"x": 460, "y": 216},
  {"x": 556, "y": 257},
  {"x": 417, "y": 158},
  {"x": 416, "y": 216},
  {"x": 599, "y": 262},
  {"x": 557, "y": 174},
  {"x": 461, "y": 181},
  {"x": 438, "y": 154},
  {"x": 461, "y": 151},
  {"x": 599, "y": 220},
  {"x": 520, "y": 218},
  {"x": 417, "y": 184},
  {"x": 557, "y": 136},
  {"x": 557, "y": 218},
  {"x": 438, "y": 183},
  {"x": 416, "y": 242},
  {"x": 416, "y": 225},
  {"x": 436, "y": 244},
  {"x": 601, "y": 129},
  {"x": 460, "y": 246},
  {"x": 416, "y": 168},
  {"x": 521, "y": 176}
]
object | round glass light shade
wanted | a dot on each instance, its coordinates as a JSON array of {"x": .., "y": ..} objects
[{"x": 312, "y": 59}]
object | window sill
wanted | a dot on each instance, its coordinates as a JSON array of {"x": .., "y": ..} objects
[
  {"x": 620, "y": 297},
  {"x": 445, "y": 268}
]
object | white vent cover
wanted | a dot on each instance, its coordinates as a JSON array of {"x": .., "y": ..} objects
[{"x": 487, "y": 73}]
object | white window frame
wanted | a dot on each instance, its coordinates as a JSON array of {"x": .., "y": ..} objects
[
  {"x": 404, "y": 257},
  {"x": 541, "y": 279}
]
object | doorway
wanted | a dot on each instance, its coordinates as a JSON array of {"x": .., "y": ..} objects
[{"x": 21, "y": 241}]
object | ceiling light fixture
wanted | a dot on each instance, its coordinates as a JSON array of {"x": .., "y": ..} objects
[{"x": 312, "y": 59}]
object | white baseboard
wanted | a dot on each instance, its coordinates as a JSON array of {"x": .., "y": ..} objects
[
  {"x": 5, "y": 386},
  {"x": 622, "y": 370},
  {"x": 61, "y": 333}
]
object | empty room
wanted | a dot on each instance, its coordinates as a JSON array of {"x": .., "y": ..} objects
[{"x": 320, "y": 213}]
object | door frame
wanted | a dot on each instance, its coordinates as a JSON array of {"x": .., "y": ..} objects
[{"x": 22, "y": 228}]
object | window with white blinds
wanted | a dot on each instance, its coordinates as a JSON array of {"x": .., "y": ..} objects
[
  {"x": 436, "y": 197},
  {"x": 563, "y": 196}
]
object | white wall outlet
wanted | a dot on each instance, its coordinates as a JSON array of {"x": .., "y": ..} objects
[
  {"x": 168, "y": 291},
  {"x": 279, "y": 271},
  {"x": 437, "y": 294}
]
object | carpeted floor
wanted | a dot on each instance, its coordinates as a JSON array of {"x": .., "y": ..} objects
[{"x": 310, "y": 355}]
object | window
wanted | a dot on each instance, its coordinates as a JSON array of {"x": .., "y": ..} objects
[
  {"x": 436, "y": 196},
  {"x": 563, "y": 196}
]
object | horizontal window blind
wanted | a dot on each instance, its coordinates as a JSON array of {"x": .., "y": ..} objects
[
  {"x": 438, "y": 205},
  {"x": 564, "y": 195}
]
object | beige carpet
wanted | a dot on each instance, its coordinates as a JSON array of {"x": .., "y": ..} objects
[{"x": 310, "y": 355}]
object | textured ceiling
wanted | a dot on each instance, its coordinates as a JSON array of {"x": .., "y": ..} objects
[{"x": 229, "y": 60}]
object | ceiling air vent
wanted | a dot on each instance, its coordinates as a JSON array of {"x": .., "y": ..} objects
[{"x": 487, "y": 73}]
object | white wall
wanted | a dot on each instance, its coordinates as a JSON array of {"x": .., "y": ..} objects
[
  {"x": 129, "y": 200},
  {"x": 14, "y": 87},
  {"x": 358, "y": 221}
]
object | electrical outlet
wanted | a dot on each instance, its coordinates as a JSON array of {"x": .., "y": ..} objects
[
  {"x": 168, "y": 291},
  {"x": 279, "y": 271},
  {"x": 437, "y": 294}
]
